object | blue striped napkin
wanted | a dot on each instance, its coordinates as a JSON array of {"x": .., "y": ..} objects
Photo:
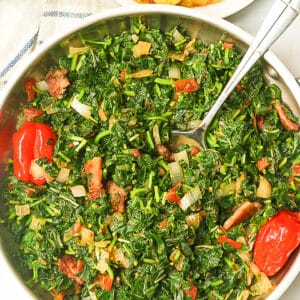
[{"x": 29, "y": 23}]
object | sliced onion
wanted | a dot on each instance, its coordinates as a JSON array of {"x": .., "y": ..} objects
[
  {"x": 190, "y": 46},
  {"x": 264, "y": 189},
  {"x": 42, "y": 86},
  {"x": 22, "y": 210},
  {"x": 135, "y": 38},
  {"x": 182, "y": 155},
  {"x": 111, "y": 122},
  {"x": 87, "y": 237},
  {"x": 226, "y": 190},
  {"x": 102, "y": 244},
  {"x": 174, "y": 72},
  {"x": 190, "y": 198},
  {"x": 36, "y": 223},
  {"x": 79, "y": 50},
  {"x": 254, "y": 268},
  {"x": 78, "y": 191},
  {"x": 244, "y": 295},
  {"x": 177, "y": 35},
  {"x": 83, "y": 109},
  {"x": 141, "y": 48},
  {"x": 102, "y": 265},
  {"x": 177, "y": 56},
  {"x": 142, "y": 74},
  {"x": 63, "y": 175},
  {"x": 119, "y": 257},
  {"x": 175, "y": 172},
  {"x": 36, "y": 171},
  {"x": 194, "y": 124},
  {"x": 263, "y": 284},
  {"x": 102, "y": 115},
  {"x": 239, "y": 182},
  {"x": 156, "y": 135},
  {"x": 193, "y": 220}
]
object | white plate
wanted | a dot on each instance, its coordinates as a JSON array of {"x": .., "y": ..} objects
[{"x": 221, "y": 9}]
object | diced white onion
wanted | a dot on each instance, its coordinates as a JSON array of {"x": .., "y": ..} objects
[
  {"x": 174, "y": 72},
  {"x": 175, "y": 172},
  {"x": 36, "y": 223},
  {"x": 22, "y": 210},
  {"x": 83, "y": 109},
  {"x": 63, "y": 175},
  {"x": 78, "y": 191},
  {"x": 190, "y": 198},
  {"x": 36, "y": 171},
  {"x": 102, "y": 263},
  {"x": 264, "y": 189},
  {"x": 119, "y": 257},
  {"x": 177, "y": 36},
  {"x": 194, "y": 124},
  {"x": 79, "y": 50},
  {"x": 87, "y": 237},
  {"x": 42, "y": 85},
  {"x": 182, "y": 155},
  {"x": 263, "y": 284},
  {"x": 102, "y": 244}
]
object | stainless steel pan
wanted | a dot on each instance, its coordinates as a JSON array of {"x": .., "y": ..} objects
[{"x": 203, "y": 27}]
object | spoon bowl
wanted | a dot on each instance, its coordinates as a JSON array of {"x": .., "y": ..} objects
[{"x": 281, "y": 15}]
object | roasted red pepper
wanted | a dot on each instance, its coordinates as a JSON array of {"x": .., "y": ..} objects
[
  {"x": 186, "y": 85},
  {"x": 31, "y": 142},
  {"x": 172, "y": 194},
  {"x": 192, "y": 292},
  {"x": 105, "y": 281},
  {"x": 224, "y": 239},
  {"x": 276, "y": 240}
]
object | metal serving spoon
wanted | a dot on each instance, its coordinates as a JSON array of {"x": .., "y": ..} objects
[{"x": 281, "y": 15}]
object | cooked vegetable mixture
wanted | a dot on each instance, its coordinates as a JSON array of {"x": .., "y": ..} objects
[{"x": 104, "y": 206}]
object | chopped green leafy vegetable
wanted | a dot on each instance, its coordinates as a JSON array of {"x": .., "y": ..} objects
[{"x": 123, "y": 215}]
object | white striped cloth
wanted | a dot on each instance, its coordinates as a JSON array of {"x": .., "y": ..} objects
[{"x": 25, "y": 24}]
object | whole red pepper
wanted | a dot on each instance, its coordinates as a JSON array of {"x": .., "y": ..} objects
[
  {"x": 31, "y": 142},
  {"x": 276, "y": 240}
]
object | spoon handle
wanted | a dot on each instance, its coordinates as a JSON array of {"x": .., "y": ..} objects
[{"x": 281, "y": 15}]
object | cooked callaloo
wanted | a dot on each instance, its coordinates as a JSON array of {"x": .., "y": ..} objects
[{"x": 104, "y": 206}]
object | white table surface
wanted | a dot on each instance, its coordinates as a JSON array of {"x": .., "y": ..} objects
[{"x": 287, "y": 48}]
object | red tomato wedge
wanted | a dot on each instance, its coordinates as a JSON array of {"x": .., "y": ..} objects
[{"x": 276, "y": 240}]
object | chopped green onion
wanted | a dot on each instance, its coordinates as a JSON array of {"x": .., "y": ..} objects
[{"x": 101, "y": 135}]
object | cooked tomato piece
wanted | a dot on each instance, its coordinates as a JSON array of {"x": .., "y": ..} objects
[
  {"x": 186, "y": 85},
  {"x": 70, "y": 266},
  {"x": 105, "y": 281}
]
